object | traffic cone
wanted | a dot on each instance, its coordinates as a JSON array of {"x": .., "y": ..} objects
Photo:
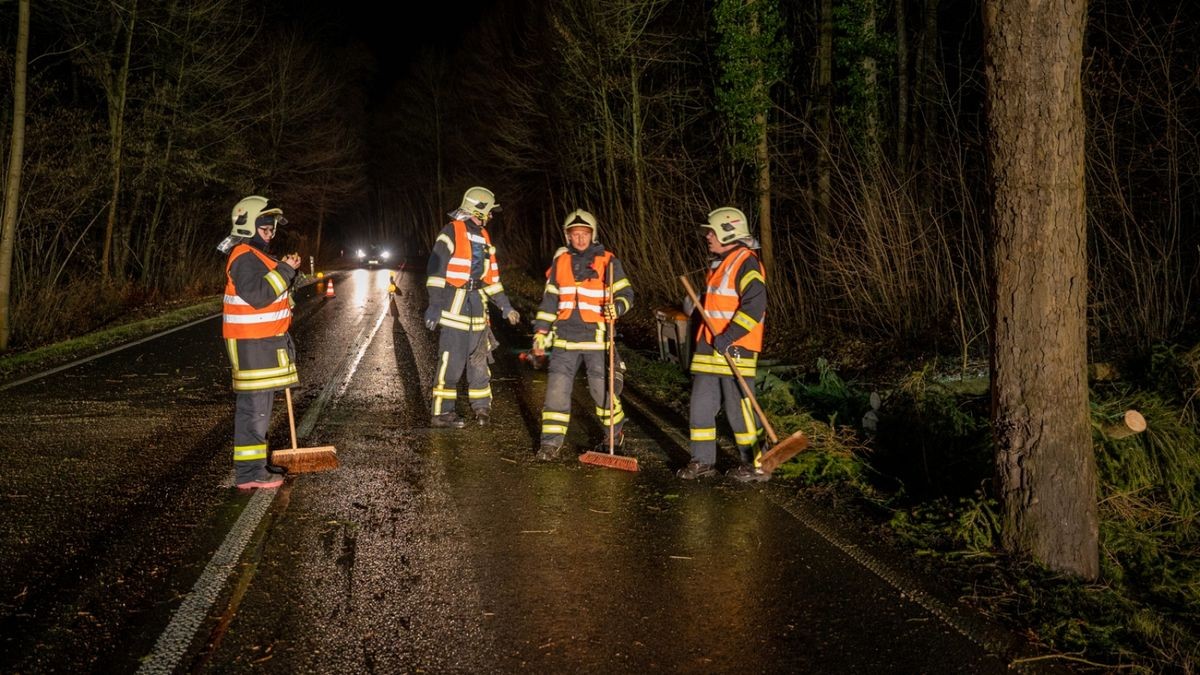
[{"x": 329, "y": 288}]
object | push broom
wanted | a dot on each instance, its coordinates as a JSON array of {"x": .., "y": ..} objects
[
  {"x": 303, "y": 460},
  {"x": 612, "y": 460},
  {"x": 779, "y": 452}
]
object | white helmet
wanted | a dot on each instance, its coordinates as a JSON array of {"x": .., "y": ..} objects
[
  {"x": 247, "y": 213},
  {"x": 580, "y": 218},
  {"x": 729, "y": 224},
  {"x": 479, "y": 202}
]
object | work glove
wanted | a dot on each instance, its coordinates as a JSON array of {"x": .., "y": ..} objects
[
  {"x": 688, "y": 307},
  {"x": 432, "y": 314},
  {"x": 722, "y": 343},
  {"x": 610, "y": 312},
  {"x": 541, "y": 342},
  {"x": 513, "y": 317}
]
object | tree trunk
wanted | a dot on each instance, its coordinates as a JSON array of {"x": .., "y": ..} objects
[
  {"x": 824, "y": 119},
  {"x": 1046, "y": 472},
  {"x": 437, "y": 140},
  {"x": 116, "y": 125},
  {"x": 316, "y": 248},
  {"x": 924, "y": 133},
  {"x": 150, "y": 247},
  {"x": 12, "y": 185},
  {"x": 871, "y": 87},
  {"x": 762, "y": 160},
  {"x": 901, "y": 88},
  {"x": 639, "y": 169}
]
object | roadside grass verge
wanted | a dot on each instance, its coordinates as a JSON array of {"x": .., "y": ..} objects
[{"x": 65, "y": 351}]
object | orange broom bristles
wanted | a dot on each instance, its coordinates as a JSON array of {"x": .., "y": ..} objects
[
  {"x": 303, "y": 460},
  {"x": 782, "y": 452},
  {"x": 306, "y": 460},
  {"x": 611, "y": 461}
]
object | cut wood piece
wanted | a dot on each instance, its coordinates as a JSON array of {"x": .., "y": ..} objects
[{"x": 1132, "y": 422}]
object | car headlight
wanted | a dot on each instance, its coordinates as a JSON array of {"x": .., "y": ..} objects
[
  {"x": 361, "y": 253},
  {"x": 385, "y": 255}
]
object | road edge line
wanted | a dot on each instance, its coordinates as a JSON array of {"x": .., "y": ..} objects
[
  {"x": 174, "y": 642},
  {"x": 114, "y": 350}
]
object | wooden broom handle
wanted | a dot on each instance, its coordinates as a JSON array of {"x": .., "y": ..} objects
[
  {"x": 287, "y": 392},
  {"x": 687, "y": 285},
  {"x": 612, "y": 346}
]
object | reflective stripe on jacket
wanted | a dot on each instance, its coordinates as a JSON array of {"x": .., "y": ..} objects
[
  {"x": 262, "y": 364},
  {"x": 244, "y": 321},
  {"x": 458, "y": 268},
  {"x": 588, "y": 295},
  {"x": 722, "y": 300}
]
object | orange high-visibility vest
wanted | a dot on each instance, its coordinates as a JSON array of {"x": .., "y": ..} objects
[
  {"x": 721, "y": 301},
  {"x": 589, "y": 296},
  {"x": 458, "y": 268},
  {"x": 242, "y": 321}
]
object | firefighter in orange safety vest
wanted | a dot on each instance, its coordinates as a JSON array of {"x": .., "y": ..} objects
[
  {"x": 735, "y": 299},
  {"x": 462, "y": 276},
  {"x": 257, "y": 313},
  {"x": 572, "y": 322}
]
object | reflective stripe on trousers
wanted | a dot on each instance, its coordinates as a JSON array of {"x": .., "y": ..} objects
[
  {"x": 454, "y": 356},
  {"x": 251, "y": 420},
  {"x": 560, "y": 381},
  {"x": 708, "y": 391}
]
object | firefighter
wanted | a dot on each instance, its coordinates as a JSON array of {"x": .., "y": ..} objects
[
  {"x": 735, "y": 298},
  {"x": 572, "y": 322},
  {"x": 257, "y": 313},
  {"x": 462, "y": 277}
]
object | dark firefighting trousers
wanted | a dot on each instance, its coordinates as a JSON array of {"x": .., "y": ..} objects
[
  {"x": 560, "y": 380},
  {"x": 460, "y": 350},
  {"x": 707, "y": 394},
  {"x": 261, "y": 366},
  {"x": 251, "y": 419}
]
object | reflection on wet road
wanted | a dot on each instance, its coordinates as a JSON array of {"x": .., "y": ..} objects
[{"x": 440, "y": 550}]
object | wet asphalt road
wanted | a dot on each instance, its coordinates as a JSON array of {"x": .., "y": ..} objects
[{"x": 427, "y": 550}]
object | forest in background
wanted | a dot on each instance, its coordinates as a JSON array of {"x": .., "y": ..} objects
[
  {"x": 146, "y": 121},
  {"x": 873, "y": 154},
  {"x": 851, "y": 132}
]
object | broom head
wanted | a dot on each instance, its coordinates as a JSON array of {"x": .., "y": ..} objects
[
  {"x": 306, "y": 460},
  {"x": 782, "y": 452},
  {"x": 611, "y": 461}
]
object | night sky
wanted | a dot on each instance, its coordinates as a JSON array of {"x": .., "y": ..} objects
[{"x": 394, "y": 33}]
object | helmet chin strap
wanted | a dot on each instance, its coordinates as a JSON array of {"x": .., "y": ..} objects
[{"x": 260, "y": 243}]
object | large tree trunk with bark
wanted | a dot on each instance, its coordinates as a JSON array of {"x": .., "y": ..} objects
[{"x": 1046, "y": 472}]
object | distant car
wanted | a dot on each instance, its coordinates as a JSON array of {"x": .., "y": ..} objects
[{"x": 373, "y": 255}]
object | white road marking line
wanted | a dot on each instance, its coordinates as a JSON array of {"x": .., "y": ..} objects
[
  {"x": 347, "y": 368},
  {"x": 114, "y": 350},
  {"x": 173, "y": 644}
]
